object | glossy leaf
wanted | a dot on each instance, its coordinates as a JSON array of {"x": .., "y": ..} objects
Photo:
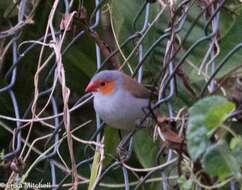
[
  {"x": 230, "y": 31},
  {"x": 145, "y": 148},
  {"x": 218, "y": 113},
  {"x": 218, "y": 161},
  {"x": 94, "y": 170},
  {"x": 236, "y": 149},
  {"x": 111, "y": 142},
  {"x": 204, "y": 117},
  {"x": 230, "y": 40}
]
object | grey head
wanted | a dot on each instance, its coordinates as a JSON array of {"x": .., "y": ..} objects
[{"x": 109, "y": 75}]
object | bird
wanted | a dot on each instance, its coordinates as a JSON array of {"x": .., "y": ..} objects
[{"x": 119, "y": 100}]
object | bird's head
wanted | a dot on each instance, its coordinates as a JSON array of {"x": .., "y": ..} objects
[{"x": 105, "y": 82}]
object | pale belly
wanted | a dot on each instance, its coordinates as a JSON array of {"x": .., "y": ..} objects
[{"x": 120, "y": 112}]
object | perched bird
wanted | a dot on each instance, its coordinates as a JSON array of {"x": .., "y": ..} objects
[{"x": 118, "y": 99}]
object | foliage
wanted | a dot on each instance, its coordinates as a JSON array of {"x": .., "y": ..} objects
[{"x": 184, "y": 50}]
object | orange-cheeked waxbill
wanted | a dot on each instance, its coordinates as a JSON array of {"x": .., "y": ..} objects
[{"x": 118, "y": 99}]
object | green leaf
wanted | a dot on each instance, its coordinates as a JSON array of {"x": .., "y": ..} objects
[
  {"x": 111, "y": 142},
  {"x": 145, "y": 148},
  {"x": 123, "y": 14},
  {"x": 184, "y": 184},
  {"x": 232, "y": 38},
  {"x": 197, "y": 140},
  {"x": 218, "y": 161},
  {"x": 80, "y": 65},
  {"x": 236, "y": 149},
  {"x": 94, "y": 170},
  {"x": 10, "y": 9},
  {"x": 230, "y": 31},
  {"x": 204, "y": 117},
  {"x": 218, "y": 113}
]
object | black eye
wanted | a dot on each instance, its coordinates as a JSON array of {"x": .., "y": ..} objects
[{"x": 102, "y": 83}]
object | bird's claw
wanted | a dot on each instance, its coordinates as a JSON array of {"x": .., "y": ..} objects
[
  {"x": 124, "y": 149},
  {"x": 123, "y": 153}
]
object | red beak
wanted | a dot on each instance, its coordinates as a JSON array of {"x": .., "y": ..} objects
[{"x": 91, "y": 87}]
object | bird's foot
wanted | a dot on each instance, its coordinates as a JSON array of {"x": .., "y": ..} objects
[
  {"x": 123, "y": 153},
  {"x": 124, "y": 149}
]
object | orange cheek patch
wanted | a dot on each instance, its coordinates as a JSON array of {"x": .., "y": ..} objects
[{"x": 108, "y": 88}]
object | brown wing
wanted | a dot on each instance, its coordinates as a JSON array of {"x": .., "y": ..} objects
[{"x": 136, "y": 89}]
